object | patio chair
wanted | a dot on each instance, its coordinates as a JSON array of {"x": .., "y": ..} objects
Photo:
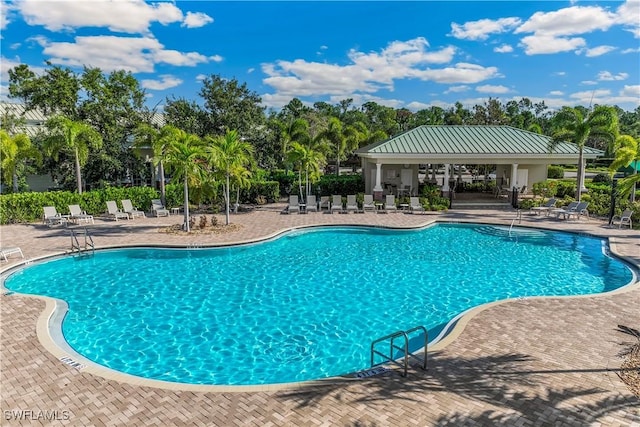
[
  {"x": 6, "y": 252},
  {"x": 390, "y": 203},
  {"x": 368, "y": 203},
  {"x": 580, "y": 210},
  {"x": 294, "y": 204},
  {"x": 414, "y": 205},
  {"x": 52, "y": 217},
  {"x": 352, "y": 203},
  {"x": 336, "y": 203},
  {"x": 127, "y": 207},
  {"x": 158, "y": 209},
  {"x": 114, "y": 212},
  {"x": 546, "y": 207},
  {"x": 560, "y": 211},
  {"x": 325, "y": 203},
  {"x": 624, "y": 218},
  {"x": 312, "y": 204},
  {"x": 77, "y": 215}
]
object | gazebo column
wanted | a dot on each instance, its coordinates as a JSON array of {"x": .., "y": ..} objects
[
  {"x": 377, "y": 189},
  {"x": 514, "y": 174},
  {"x": 445, "y": 184}
]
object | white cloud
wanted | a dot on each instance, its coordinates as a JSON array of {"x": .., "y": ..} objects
[
  {"x": 133, "y": 16},
  {"x": 196, "y": 20},
  {"x": 536, "y": 45},
  {"x": 560, "y": 73},
  {"x": 201, "y": 77},
  {"x": 250, "y": 70},
  {"x": 5, "y": 12},
  {"x": 597, "y": 51},
  {"x": 505, "y": 48},
  {"x": 480, "y": 30},
  {"x": 457, "y": 89},
  {"x": 627, "y": 15},
  {"x": 367, "y": 73},
  {"x": 631, "y": 50},
  {"x": 135, "y": 54},
  {"x": 166, "y": 81},
  {"x": 607, "y": 76},
  {"x": 568, "y": 21},
  {"x": 492, "y": 89},
  {"x": 588, "y": 83},
  {"x": 556, "y": 93},
  {"x": 6, "y": 64},
  {"x": 631, "y": 91}
]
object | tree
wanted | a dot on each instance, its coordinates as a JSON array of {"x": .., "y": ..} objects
[
  {"x": 158, "y": 140},
  {"x": 15, "y": 151},
  {"x": 577, "y": 126},
  {"x": 227, "y": 155},
  {"x": 334, "y": 134},
  {"x": 308, "y": 160},
  {"x": 77, "y": 137},
  {"x": 188, "y": 116},
  {"x": 627, "y": 152},
  {"x": 185, "y": 158},
  {"x": 231, "y": 105}
]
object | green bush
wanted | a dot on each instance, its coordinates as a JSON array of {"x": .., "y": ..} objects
[
  {"x": 548, "y": 188},
  {"x": 602, "y": 177},
  {"x": 342, "y": 184},
  {"x": 555, "y": 172},
  {"x": 565, "y": 189},
  {"x": 266, "y": 191}
]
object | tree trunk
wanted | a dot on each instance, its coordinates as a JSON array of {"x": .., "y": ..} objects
[
  {"x": 186, "y": 227},
  {"x": 580, "y": 183},
  {"x": 300, "y": 183},
  {"x": 78, "y": 175},
  {"x": 633, "y": 188},
  {"x": 338, "y": 165},
  {"x": 15, "y": 182},
  {"x": 163, "y": 195},
  {"x": 226, "y": 196}
]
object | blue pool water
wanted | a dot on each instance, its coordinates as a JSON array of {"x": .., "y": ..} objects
[{"x": 306, "y": 305}]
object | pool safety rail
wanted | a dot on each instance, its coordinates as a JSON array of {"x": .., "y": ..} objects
[
  {"x": 404, "y": 349},
  {"x": 88, "y": 242}
]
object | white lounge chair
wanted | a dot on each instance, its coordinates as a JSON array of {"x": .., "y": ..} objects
[
  {"x": 127, "y": 206},
  {"x": 336, "y": 203},
  {"x": 52, "y": 217},
  {"x": 390, "y": 203},
  {"x": 580, "y": 210},
  {"x": 560, "y": 211},
  {"x": 6, "y": 252},
  {"x": 624, "y": 218},
  {"x": 414, "y": 205},
  {"x": 294, "y": 205},
  {"x": 77, "y": 215},
  {"x": 546, "y": 207},
  {"x": 114, "y": 212},
  {"x": 352, "y": 203},
  {"x": 368, "y": 203},
  {"x": 312, "y": 204},
  {"x": 325, "y": 203},
  {"x": 158, "y": 209}
]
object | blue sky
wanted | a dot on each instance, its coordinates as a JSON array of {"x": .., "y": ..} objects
[{"x": 400, "y": 54}]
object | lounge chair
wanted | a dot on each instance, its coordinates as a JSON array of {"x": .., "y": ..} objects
[
  {"x": 52, "y": 217},
  {"x": 624, "y": 218},
  {"x": 325, "y": 203},
  {"x": 77, "y": 215},
  {"x": 580, "y": 210},
  {"x": 560, "y": 211},
  {"x": 352, "y": 203},
  {"x": 390, "y": 203},
  {"x": 127, "y": 207},
  {"x": 368, "y": 203},
  {"x": 294, "y": 205},
  {"x": 114, "y": 212},
  {"x": 414, "y": 205},
  {"x": 336, "y": 203},
  {"x": 312, "y": 204},
  {"x": 158, "y": 209},
  {"x": 5, "y": 252},
  {"x": 546, "y": 207}
]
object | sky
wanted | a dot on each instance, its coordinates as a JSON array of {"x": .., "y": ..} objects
[{"x": 413, "y": 55}]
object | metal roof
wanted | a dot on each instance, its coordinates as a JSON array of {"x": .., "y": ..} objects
[{"x": 472, "y": 141}]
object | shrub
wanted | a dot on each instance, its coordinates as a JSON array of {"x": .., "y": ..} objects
[
  {"x": 339, "y": 184},
  {"x": 565, "y": 189},
  {"x": 602, "y": 177},
  {"x": 555, "y": 172}
]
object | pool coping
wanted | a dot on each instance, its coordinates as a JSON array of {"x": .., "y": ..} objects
[{"x": 49, "y": 324}]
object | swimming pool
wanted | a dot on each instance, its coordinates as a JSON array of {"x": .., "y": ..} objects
[{"x": 305, "y": 305}]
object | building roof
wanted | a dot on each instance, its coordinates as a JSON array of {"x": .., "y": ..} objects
[{"x": 473, "y": 142}]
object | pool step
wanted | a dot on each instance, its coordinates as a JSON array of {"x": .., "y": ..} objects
[
  {"x": 507, "y": 231},
  {"x": 389, "y": 340}
]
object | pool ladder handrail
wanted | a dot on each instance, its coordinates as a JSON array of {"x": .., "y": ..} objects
[
  {"x": 517, "y": 218},
  {"x": 88, "y": 242},
  {"x": 404, "y": 349}
]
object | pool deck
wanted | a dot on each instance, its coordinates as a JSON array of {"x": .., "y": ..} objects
[{"x": 530, "y": 362}]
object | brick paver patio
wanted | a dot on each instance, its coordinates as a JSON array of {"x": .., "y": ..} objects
[{"x": 538, "y": 362}]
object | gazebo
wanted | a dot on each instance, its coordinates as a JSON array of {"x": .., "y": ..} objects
[{"x": 521, "y": 157}]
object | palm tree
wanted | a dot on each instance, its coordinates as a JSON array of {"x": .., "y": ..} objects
[
  {"x": 627, "y": 152},
  {"x": 240, "y": 178},
  {"x": 159, "y": 140},
  {"x": 573, "y": 126},
  {"x": 227, "y": 155},
  {"x": 15, "y": 151},
  {"x": 334, "y": 134},
  {"x": 185, "y": 158},
  {"x": 67, "y": 134},
  {"x": 296, "y": 130},
  {"x": 307, "y": 159}
]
